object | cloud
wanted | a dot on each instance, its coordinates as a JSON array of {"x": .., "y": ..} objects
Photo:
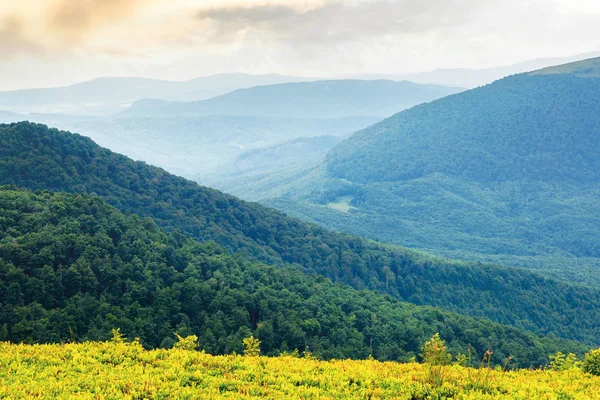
[
  {"x": 14, "y": 41},
  {"x": 72, "y": 19},
  {"x": 334, "y": 22},
  {"x": 59, "y": 27}
]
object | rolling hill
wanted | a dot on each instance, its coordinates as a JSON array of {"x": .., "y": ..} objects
[
  {"x": 35, "y": 157},
  {"x": 74, "y": 268},
  {"x": 321, "y": 99}
]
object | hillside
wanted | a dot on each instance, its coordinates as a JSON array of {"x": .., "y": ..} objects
[
  {"x": 71, "y": 266},
  {"x": 321, "y": 99},
  {"x": 109, "y": 95},
  {"x": 540, "y": 127},
  {"x": 35, "y": 157},
  {"x": 505, "y": 173},
  {"x": 116, "y": 370}
]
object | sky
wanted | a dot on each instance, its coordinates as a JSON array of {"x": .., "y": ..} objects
[{"x": 46, "y": 43}]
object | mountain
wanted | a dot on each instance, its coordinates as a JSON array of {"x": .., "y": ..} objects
[
  {"x": 506, "y": 173},
  {"x": 321, "y": 99},
  {"x": 35, "y": 157},
  {"x": 72, "y": 267},
  {"x": 207, "y": 143},
  {"x": 472, "y": 78},
  {"x": 111, "y": 94}
]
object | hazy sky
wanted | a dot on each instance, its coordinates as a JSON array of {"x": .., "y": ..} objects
[{"x": 56, "y": 42}]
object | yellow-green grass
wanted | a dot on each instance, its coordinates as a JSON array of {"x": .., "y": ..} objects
[{"x": 108, "y": 370}]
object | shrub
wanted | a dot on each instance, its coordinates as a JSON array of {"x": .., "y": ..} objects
[
  {"x": 186, "y": 343},
  {"x": 591, "y": 363},
  {"x": 562, "y": 362},
  {"x": 436, "y": 356},
  {"x": 251, "y": 346},
  {"x": 117, "y": 336}
]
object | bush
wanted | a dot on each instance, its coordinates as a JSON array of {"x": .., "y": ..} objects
[
  {"x": 591, "y": 363},
  {"x": 562, "y": 362},
  {"x": 186, "y": 343},
  {"x": 436, "y": 356},
  {"x": 251, "y": 346}
]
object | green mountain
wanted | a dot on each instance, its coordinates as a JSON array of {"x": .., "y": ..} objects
[
  {"x": 73, "y": 268},
  {"x": 35, "y": 157},
  {"x": 321, "y": 99},
  {"x": 506, "y": 173},
  {"x": 539, "y": 127}
]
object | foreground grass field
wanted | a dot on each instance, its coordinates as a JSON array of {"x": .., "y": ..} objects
[{"x": 110, "y": 370}]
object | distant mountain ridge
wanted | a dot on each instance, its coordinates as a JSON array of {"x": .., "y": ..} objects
[
  {"x": 472, "y": 78},
  {"x": 192, "y": 142},
  {"x": 108, "y": 95},
  {"x": 522, "y": 127},
  {"x": 319, "y": 99}
]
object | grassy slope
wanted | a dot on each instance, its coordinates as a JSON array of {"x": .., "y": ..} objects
[{"x": 110, "y": 370}]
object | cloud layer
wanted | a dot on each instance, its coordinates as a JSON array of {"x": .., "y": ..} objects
[
  {"x": 311, "y": 37},
  {"x": 73, "y": 19},
  {"x": 335, "y": 21}
]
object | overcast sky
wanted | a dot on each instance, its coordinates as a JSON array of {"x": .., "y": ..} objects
[{"x": 56, "y": 42}]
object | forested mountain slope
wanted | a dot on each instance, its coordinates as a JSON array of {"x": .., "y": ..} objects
[
  {"x": 526, "y": 127},
  {"x": 35, "y": 157},
  {"x": 73, "y": 268},
  {"x": 508, "y": 172}
]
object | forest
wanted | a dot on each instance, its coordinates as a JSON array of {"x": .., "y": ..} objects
[
  {"x": 73, "y": 268},
  {"x": 505, "y": 173},
  {"x": 35, "y": 157}
]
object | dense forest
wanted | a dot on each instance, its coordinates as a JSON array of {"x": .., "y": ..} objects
[
  {"x": 506, "y": 169},
  {"x": 35, "y": 157},
  {"x": 73, "y": 268},
  {"x": 524, "y": 127}
]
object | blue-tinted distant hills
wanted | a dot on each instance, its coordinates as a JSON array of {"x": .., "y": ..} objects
[
  {"x": 108, "y": 95},
  {"x": 320, "y": 99}
]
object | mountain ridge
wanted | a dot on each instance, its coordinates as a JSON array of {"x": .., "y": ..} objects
[{"x": 322, "y": 99}]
